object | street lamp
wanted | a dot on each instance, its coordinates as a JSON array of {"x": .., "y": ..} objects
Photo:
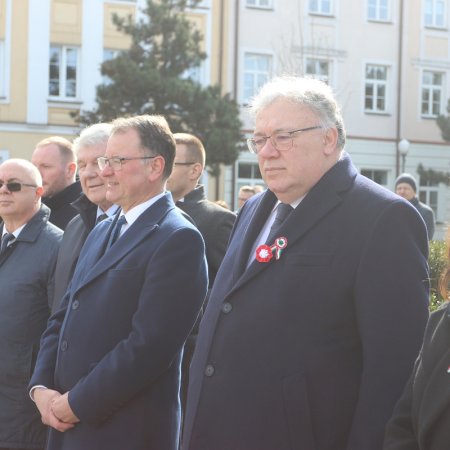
[{"x": 403, "y": 148}]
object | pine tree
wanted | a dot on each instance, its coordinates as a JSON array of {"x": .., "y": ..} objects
[{"x": 151, "y": 78}]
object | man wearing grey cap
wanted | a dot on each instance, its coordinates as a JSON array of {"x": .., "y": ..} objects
[{"x": 406, "y": 187}]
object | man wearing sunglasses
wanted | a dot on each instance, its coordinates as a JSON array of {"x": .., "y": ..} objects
[
  {"x": 318, "y": 309},
  {"x": 28, "y": 251},
  {"x": 108, "y": 373}
]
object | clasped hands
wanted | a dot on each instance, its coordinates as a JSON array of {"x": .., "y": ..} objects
[{"x": 55, "y": 409}]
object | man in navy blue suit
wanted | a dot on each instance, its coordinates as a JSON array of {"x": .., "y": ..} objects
[
  {"x": 318, "y": 309},
  {"x": 108, "y": 372}
]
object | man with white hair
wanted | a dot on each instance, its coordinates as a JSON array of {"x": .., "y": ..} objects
[
  {"x": 29, "y": 246},
  {"x": 318, "y": 309},
  {"x": 92, "y": 205}
]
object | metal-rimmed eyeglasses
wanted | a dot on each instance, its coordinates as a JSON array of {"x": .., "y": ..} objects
[
  {"x": 15, "y": 186},
  {"x": 281, "y": 141},
  {"x": 116, "y": 162}
]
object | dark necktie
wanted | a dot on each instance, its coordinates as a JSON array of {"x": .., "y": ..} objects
[
  {"x": 101, "y": 217},
  {"x": 283, "y": 211},
  {"x": 115, "y": 233},
  {"x": 6, "y": 239}
]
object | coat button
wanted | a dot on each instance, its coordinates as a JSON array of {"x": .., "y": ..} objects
[
  {"x": 226, "y": 308},
  {"x": 209, "y": 371},
  {"x": 75, "y": 304},
  {"x": 64, "y": 346}
]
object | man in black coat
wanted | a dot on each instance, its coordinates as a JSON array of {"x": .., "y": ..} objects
[
  {"x": 55, "y": 159},
  {"x": 213, "y": 221},
  {"x": 92, "y": 205}
]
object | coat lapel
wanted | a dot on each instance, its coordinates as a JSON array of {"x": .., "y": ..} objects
[
  {"x": 320, "y": 201},
  {"x": 146, "y": 223}
]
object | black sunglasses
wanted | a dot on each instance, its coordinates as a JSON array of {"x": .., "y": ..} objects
[{"x": 15, "y": 186}]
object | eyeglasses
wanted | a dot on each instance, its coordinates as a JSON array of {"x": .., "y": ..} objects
[
  {"x": 184, "y": 163},
  {"x": 281, "y": 141},
  {"x": 15, "y": 186},
  {"x": 116, "y": 162}
]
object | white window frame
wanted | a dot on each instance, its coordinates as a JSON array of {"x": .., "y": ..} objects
[
  {"x": 322, "y": 7},
  {"x": 316, "y": 74},
  {"x": 62, "y": 71},
  {"x": 377, "y": 4},
  {"x": 260, "y": 77},
  {"x": 431, "y": 89},
  {"x": 260, "y": 4},
  {"x": 433, "y": 21},
  {"x": 376, "y": 85}
]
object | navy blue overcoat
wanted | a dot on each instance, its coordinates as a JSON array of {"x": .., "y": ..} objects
[{"x": 311, "y": 351}]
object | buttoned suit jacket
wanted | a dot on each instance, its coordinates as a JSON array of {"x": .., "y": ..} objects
[
  {"x": 26, "y": 291},
  {"x": 74, "y": 237},
  {"x": 117, "y": 345},
  {"x": 421, "y": 417},
  {"x": 311, "y": 351}
]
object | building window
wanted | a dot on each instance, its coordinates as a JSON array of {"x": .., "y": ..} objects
[
  {"x": 63, "y": 72},
  {"x": 248, "y": 173},
  {"x": 375, "y": 88},
  {"x": 432, "y": 86},
  {"x": 379, "y": 176},
  {"x": 435, "y": 12},
  {"x": 257, "y": 71},
  {"x": 318, "y": 68},
  {"x": 266, "y": 4},
  {"x": 378, "y": 10},
  {"x": 429, "y": 195},
  {"x": 320, "y": 7},
  {"x": 2, "y": 70},
  {"x": 108, "y": 55}
]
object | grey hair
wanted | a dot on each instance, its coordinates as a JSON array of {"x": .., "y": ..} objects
[
  {"x": 308, "y": 92},
  {"x": 94, "y": 135}
]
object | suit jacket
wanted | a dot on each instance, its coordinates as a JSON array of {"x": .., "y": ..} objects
[
  {"x": 214, "y": 223},
  {"x": 311, "y": 351},
  {"x": 75, "y": 234},
  {"x": 118, "y": 343},
  {"x": 61, "y": 207},
  {"x": 26, "y": 290},
  {"x": 421, "y": 419}
]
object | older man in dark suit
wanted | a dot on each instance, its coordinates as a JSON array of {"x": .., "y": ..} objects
[
  {"x": 29, "y": 246},
  {"x": 108, "y": 372},
  {"x": 92, "y": 205},
  {"x": 318, "y": 309}
]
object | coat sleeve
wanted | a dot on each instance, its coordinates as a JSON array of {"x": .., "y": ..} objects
[
  {"x": 391, "y": 300},
  {"x": 400, "y": 433}
]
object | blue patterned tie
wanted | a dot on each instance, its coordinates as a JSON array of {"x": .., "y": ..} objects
[
  {"x": 283, "y": 211},
  {"x": 115, "y": 233},
  {"x": 6, "y": 239}
]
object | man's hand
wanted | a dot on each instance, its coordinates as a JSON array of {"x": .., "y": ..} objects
[
  {"x": 62, "y": 410},
  {"x": 44, "y": 399}
]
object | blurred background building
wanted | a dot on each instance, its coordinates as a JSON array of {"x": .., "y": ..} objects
[{"x": 387, "y": 60}]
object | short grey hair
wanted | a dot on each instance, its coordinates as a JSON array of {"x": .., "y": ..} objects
[
  {"x": 94, "y": 135},
  {"x": 308, "y": 92}
]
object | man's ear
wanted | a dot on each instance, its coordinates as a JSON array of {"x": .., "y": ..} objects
[
  {"x": 39, "y": 191},
  {"x": 330, "y": 139},
  {"x": 196, "y": 171},
  {"x": 71, "y": 168},
  {"x": 156, "y": 168}
]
